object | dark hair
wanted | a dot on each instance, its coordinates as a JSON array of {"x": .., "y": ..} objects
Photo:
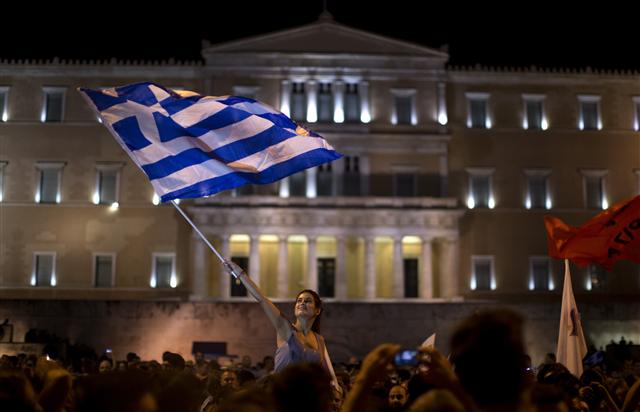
[{"x": 318, "y": 302}]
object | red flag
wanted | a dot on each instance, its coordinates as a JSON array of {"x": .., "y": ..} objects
[{"x": 610, "y": 236}]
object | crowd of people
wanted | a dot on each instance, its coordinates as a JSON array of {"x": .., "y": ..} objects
[{"x": 486, "y": 369}]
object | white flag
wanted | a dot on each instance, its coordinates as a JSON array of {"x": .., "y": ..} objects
[{"x": 571, "y": 343}]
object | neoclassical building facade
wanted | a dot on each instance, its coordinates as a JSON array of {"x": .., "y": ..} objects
[{"x": 446, "y": 176}]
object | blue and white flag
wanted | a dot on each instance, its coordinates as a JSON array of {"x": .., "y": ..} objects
[{"x": 191, "y": 146}]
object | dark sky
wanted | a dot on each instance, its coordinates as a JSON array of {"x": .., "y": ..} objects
[{"x": 527, "y": 33}]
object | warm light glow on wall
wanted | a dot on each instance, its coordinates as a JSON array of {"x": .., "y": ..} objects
[
  {"x": 411, "y": 240},
  {"x": 239, "y": 238},
  {"x": 54, "y": 281},
  {"x": 605, "y": 203},
  {"x": 492, "y": 203},
  {"x": 155, "y": 199},
  {"x": 547, "y": 203},
  {"x": 173, "y": 282},
  {"x": 96, "y": 198},
  {"x": 544, "y": 123},
  {"x": 114, "y": 206},
  {"x": 365, "y": 116}
]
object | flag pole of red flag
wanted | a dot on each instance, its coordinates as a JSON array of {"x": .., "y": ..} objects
[
  {"x": 608, "y": 237},
  {"x": 571, "y": 344}
]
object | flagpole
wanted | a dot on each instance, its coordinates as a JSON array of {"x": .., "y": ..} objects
[{"x": 224, "y": 261}]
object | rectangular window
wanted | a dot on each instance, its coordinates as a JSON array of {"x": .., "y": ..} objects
[
  {"x": 537, "y": 189},
  {"x": 534, "y": 112},
  {"x": 4, "y": 100},
  {"x": 589, "y": 113},
  {"x": 482, "y": 277},
  {"x": 404, "y": 107},
  {"x": 298, "y": 102},
  {"x": 351, "y": 176},
  {"x": 540, "y": 269},
  {"x": 103, "y": 270},
  {"x": 351, "y": 103},
  {"x": 594, "y": 189},
  {"x": 324, "y": 180},
  {"x": 44, "y": 270},
  {"x": 325, "y": 103},
  {"x": 636, "y": 113},
  {"x": 49, "y": 180},
  {"x": 404, "y": 184},
  {"x": 3, "y": 164},
  {"x": 298, "y": 184},
  {"x": 478, "y": 116},
  {"x": 480, "y": 188},
  {"x": 410, "y": 278},
  {"x": 326, "y": 277},
  {"x": 107, "y": 186},
  {"x": 596, "y": 277},
  {"x": 53, "y": 110},
  {"x": 237, "y": 288},
  {"x": 163, "y": 270},
  {"x": 250, "y": 92}
]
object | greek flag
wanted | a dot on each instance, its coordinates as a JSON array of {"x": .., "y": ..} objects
[{"x": 191, "y": 146}]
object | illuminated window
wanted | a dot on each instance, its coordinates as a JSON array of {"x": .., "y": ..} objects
[
  {"x": 594, "y": 189},
  {"x": 477, "y": 113},
  {"x": 351, "y": 103},
  {"x": 107, "y": 184},
  {"x": 4, "y": 98},
  {"x": 480, "y": 188},
  {"x": 404, "y": 110},
  {"x": 483, "y": 277},
  {"x": 540, "y": 273},
  {"x": 537, "y": 196},
  {"x": 163, "y": 271},
  {"x": 44, "y": 269},
  {"x": 298, "y": 101},
  {"x": 2, "y": 166},
  {"x": 49, "y": 181},
  {"x": 325, "y": 103},
  {"x": 534, "y": 118},
  {"x": 53, "y": 106},
  {"x": 589, "y": 118}
]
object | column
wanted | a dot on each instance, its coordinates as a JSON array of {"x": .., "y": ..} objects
[
  {"x": 199, "y": 266},
  {"x": 225, "y": 277},
  {"x": 311, "y": 88},
  {"x": 338, "y": 101},
  {"x": 254, "y": 259},
  {"x": 363, "y": 91},
  {"x": 285, "y": 98},
  {"x": 341, "y": 269},
  {"x": 426, "y": 275},
  {"x": 312, "y": 263},
  {"x": 398, "y": 268},
  {"x": 369, "y": 268},
  {"x": 449, "y": 268},
  {"x": 283, "y": 267},
  {"x": 310, "y": 174}
]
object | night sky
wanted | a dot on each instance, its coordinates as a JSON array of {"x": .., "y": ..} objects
[{"x": 527, "y": 33}]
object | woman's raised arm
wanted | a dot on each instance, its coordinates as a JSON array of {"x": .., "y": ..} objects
[{"x": 282, "y": 325}]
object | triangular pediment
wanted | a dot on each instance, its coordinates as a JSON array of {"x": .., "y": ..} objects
[{"x": 325, "y": 36}]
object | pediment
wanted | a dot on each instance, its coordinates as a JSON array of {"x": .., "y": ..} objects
[{"x": 325, "y": 37}]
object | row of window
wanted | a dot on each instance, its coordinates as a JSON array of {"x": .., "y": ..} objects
[
  {"x": 327, "y": 102},
  {"x": 538, "y": 194},
  {"x": 483, "y": 276},
  {"x": 163, "y": 270},
  {"x": 163, "y": 273},
  {"x": 351, "y": 182}
]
